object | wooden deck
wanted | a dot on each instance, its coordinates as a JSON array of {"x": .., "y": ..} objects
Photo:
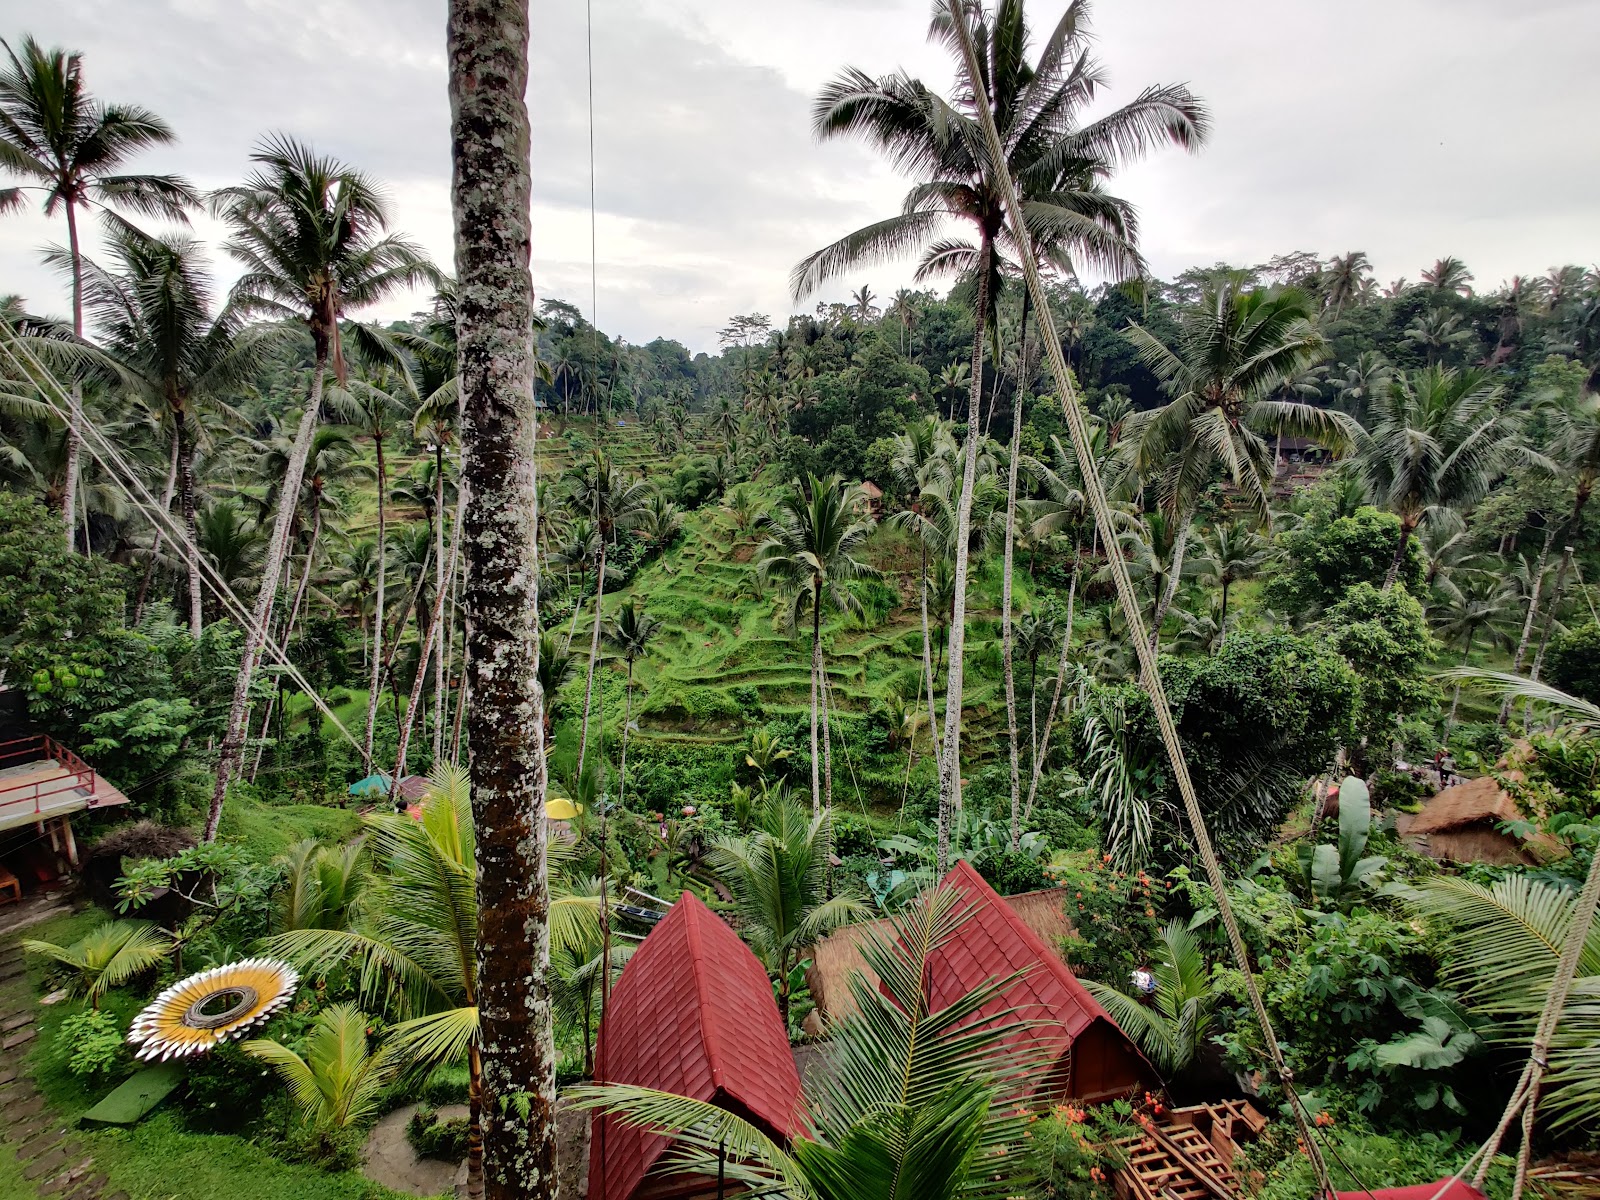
[{"x": 41, "y": 780}]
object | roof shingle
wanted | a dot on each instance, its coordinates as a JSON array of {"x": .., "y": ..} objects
[{"x": 692, "y": 1014}]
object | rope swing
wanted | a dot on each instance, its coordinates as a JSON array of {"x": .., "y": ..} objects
[{"x": 1078, "y": 429}]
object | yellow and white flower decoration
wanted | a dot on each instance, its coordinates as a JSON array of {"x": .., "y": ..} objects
[{"x": 216, "y": 1006}]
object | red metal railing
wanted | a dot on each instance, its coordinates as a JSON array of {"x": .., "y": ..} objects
[{"x": 72, "y": 773}]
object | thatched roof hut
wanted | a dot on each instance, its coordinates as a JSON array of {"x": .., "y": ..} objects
[{"x": 1462, "y": 824}]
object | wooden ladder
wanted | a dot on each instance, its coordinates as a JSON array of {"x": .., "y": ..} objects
[{"x": 1173, "y": 1162}]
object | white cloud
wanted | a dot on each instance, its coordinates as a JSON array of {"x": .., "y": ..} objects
[{"x": 1410, "y": 129}]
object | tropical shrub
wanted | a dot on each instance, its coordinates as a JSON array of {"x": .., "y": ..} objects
[
  {"x": 1071, "y": 1152},
  {"x": 1115, "y": 915},
  {"x": 1256, "y": 719},
  {"x": 91, "y": 1044},
  {"x": 338, "y": 1080},
  {"x": 1384, "y": 637},
  {"x": 1174, "y": 1027},
  {"x": 105, "y": 958},
  {"x": 1340, "y": 873},
  {"x": 1572, "y": 661},
  {"x": 432, "y": 1138},
  {"x": 1325, "y": 556}
]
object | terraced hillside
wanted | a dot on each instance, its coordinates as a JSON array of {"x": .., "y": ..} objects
[{"x": 724, "y": 660}]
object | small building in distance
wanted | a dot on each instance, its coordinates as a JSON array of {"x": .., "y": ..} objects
[
  {"x": 1462, "y": 824},
  {"x": 872, "y": 494},
  {"x": 692, "y": 1014}
]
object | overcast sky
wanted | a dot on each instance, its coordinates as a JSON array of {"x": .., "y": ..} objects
[{"x": 1409, "y": 129}]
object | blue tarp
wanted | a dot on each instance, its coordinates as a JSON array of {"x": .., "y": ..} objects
[{"x": 372, "y": 785}]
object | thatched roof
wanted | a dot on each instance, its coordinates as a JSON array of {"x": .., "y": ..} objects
[{"x": 1474, "y": 802}]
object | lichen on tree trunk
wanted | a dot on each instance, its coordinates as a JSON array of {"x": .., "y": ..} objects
[{"x": 487, "y": 53}]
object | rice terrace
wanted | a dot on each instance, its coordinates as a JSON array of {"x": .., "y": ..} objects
[{"x": 686, "y": 599}]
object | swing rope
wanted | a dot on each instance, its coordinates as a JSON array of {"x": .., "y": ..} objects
[
  {"x": 27, "y": 366},
  {"x": 994, "y": 150}
]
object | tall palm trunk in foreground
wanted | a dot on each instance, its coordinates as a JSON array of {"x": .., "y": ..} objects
[{"x": 487, "y": 53}]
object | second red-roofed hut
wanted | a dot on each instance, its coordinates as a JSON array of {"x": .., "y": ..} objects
[{"x": 1091, "y": 1058}]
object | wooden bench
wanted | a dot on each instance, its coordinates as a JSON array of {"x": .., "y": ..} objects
[{"x": 9, "y": 883}]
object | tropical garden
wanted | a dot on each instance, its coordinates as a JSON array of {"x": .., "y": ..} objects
[{"x": 817, "y": 616}]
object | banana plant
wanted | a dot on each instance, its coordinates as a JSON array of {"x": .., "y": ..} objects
[{"x": 1338, "y": 873}]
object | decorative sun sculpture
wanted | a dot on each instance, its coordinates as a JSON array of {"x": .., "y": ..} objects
[{"x": 205, "y": 1010}]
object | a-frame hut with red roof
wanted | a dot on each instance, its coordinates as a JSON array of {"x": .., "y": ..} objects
[
  {"x": 692, "y": 1014},
  {"x": 1091, "y": 1058}
]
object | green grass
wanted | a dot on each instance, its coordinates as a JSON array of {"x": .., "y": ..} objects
[
  {"x": 157, "y": 1159},
  {"x": 12, "y": 1185},
  {"x": 268, "y": 830}
]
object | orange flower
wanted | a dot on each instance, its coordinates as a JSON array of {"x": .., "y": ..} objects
[{"x": 1105, "y": 858}]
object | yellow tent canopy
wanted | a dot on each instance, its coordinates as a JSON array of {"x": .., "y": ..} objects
[{"x": 559, "y": 808}]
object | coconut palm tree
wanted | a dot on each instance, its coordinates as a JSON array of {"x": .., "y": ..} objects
[
  {"x": 487, "y": 74},
  {"x": 779, "y": 875},
  {"x": 1230, "y": 553},
  {"x": 614, "y": 502},
  {"x": 309, "y": 232},
  {"x": 862, "y": 307},
  {"x": 321, "y": 884},
  {"x": 378, "y": 405},
  {"x": 1347, "y": 274},
  {"x": 1448, "y": 274},
  {"x": 630, "y": 635},
  {"x": 70, "y": 148},
  {"x": 1480, "y": 610},
  {"x": 228, "y": 541},
  {"x": 924, "y": 457},
  {"x": 1438, "y": 333},
  {"x": 813, "y": 540},
  {"x": 1501, "y": 945},
  {"x": 1437, "y": 441},
  {"x": 1057, "y": 162},
  {"x": 1362, "y": 380},
  {"x": 1235, "y": 349},
  {"x": 105, "y": 958},
  {"x": 1175, "y": 1027},
  {"x": 917, "y": 1102},
  {"x": 341, "y": 1080},
  {"x": 161, "y": 334}
]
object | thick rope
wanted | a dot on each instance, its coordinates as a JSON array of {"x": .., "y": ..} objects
[
  {"x": 105, "y": 453},
  {"x": 1078, "y": 428},
  {"x": 1526, "y": 1095}
]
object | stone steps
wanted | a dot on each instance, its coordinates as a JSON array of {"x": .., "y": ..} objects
[{"x": 56, "y": 1165}]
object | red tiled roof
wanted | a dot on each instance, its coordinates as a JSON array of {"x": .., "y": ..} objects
[
  {"x": 994, "y": 942},
  {"x": 1453, "y": 1189},
  {"x": 692, "y": 1014}
]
